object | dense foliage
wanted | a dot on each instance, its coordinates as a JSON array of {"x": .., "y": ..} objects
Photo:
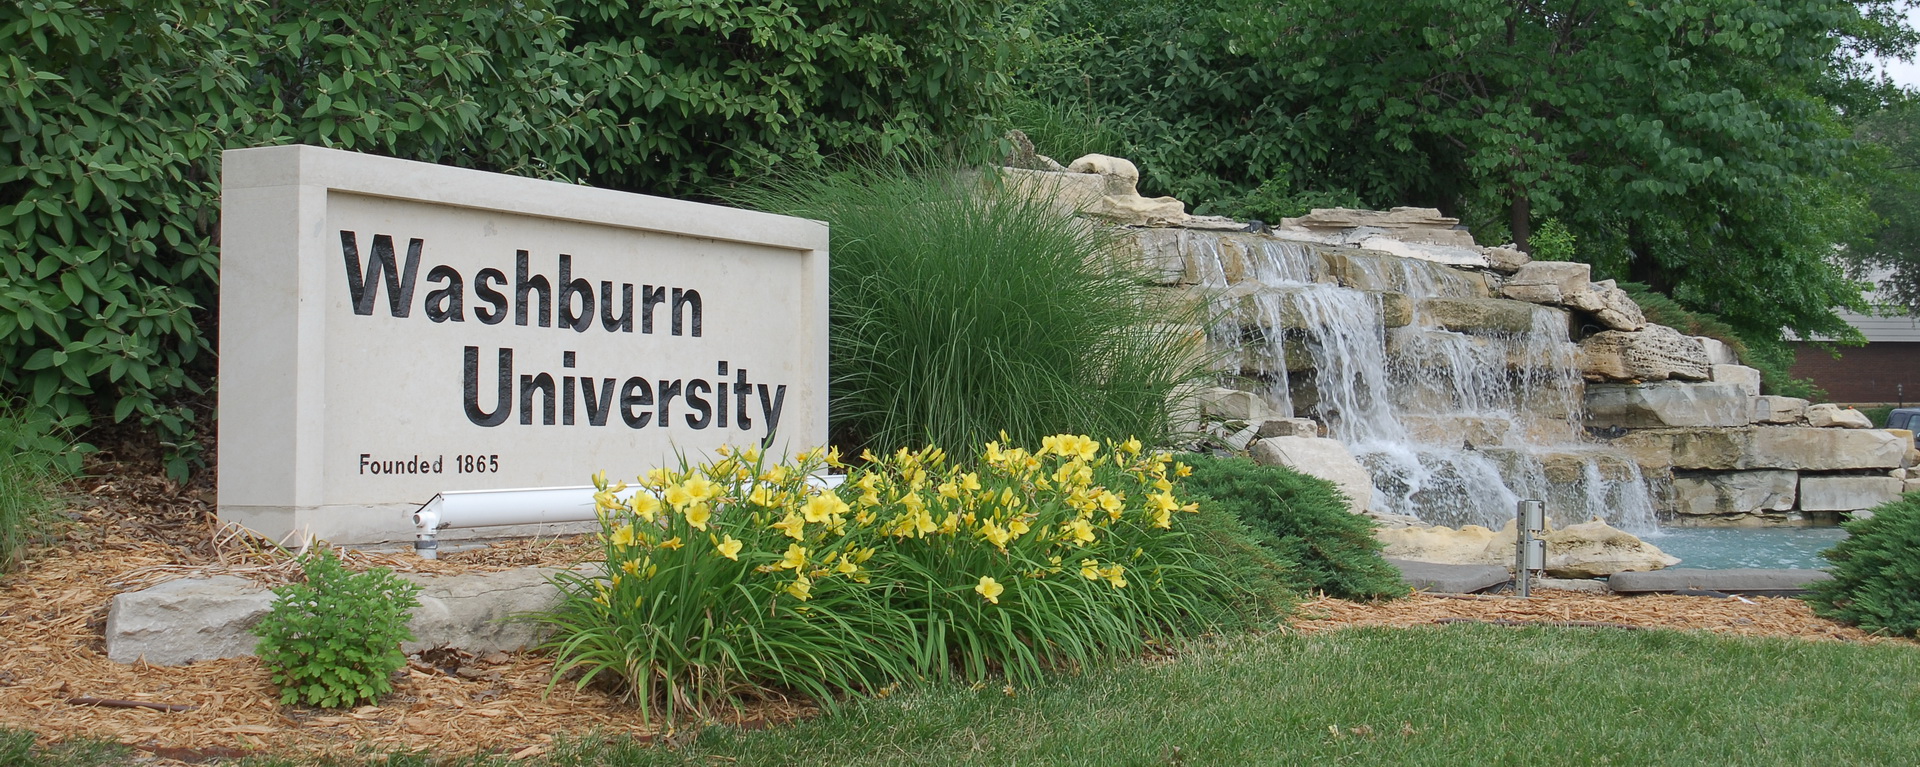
[
  {"x": 1876, "y": 571},
  {"x": 114, "y": 115},
  {"x": 334, "y": 640},
  {"x": 1890, "y": 259},
  {"x": 1692, "y": 145},
  {"x": 737, "y": 575},
  {"x": 1305, "y": 520},
  {"x": 963, "y": 310}
]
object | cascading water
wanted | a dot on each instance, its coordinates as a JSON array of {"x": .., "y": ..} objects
[{"x": 1454, "y": 427}]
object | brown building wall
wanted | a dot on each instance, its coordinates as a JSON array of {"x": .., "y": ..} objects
[{"x": 1883, "y": 371}]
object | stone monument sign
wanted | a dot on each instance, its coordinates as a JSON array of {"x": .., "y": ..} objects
[{"x": 393, "y": 329}]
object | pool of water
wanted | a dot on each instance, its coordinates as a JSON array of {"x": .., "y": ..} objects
[{"x": 1727, "y": 549}]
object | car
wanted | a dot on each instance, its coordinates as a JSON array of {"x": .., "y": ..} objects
[{"x": 1906, "y": 418}]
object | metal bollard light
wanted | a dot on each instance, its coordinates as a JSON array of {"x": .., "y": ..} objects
[{"x": 1529, "y": 552}]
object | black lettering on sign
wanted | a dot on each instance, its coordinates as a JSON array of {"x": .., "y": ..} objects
[
  {"x": 470, "y": 384},
  {"x": 571, "y": 286},
  {"x": 380, "y": 268},
  {"x": 497, "y": 299},
  {"x": 447, "y": 303}
]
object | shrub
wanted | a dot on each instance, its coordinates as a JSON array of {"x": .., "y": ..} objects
[
  {"x": 334, "y": 640},
  {"x": 963, "y": 309},
  {"x": 1876, "y": 571},
  {"x": 1265, "y": 583},
  {"x": 1305, "y": 519},
  {"x": 726, "y": 577},
  {"x": 33, "y": 459}
]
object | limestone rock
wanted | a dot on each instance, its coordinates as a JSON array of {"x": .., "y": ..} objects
[
  {"x": 1287, "y": 427},
  {"x": 1649, "y": 449},
  {"x": 1718, "y": 352},
  {"x": 1121, "y": 201},
  {"x": 1507, "y": 258},
  {"x": 1161, "y": 253},
  {"x": 1596, "y": 549},
  {"x": 1451, "y": 255},
  {"x": 1843, "y": 493},
  {"x": 1787, "y": 447},
  {"x": 1775, "y": 409},
  {"x": 1235, "y": 405},
  {"x": 1478, "y": 315},
  {"x": 474, "y": 612},
  {"x": 1654, "y": 353},
  {"x": 1469, "y": 545},
  {"x": 1547, "y": 282},
  {"x": 1422, "y": 225},
  {"x": 1748, "y": 379},
  {"x": 1667, "y": 403},
  {"x": 185, "y": 620},
  {"x": 1735, "y": 492},
  {"x": 1387, "y": 521},
  {"x": 1327, "y": 459},
  {"x": 1609, "y": 305},
  {"x": 1834, "y": 416},
  {"x": 1071, "y": 192},
  {"x": 1120, "y": 176}
]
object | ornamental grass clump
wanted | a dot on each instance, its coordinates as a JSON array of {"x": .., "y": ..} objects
[
  {"x": 1876, "y": 571},
  {"x": 963, "y": 308},
  {"x": 739, "y": 576}
]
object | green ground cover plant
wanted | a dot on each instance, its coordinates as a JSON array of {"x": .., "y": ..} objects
[
  {"x": 963, "y": 309},
  {"x": 735, "y": 577},
  {"x": 334, "y": 640},
  {"x": 1304, "y": 520},
  {"x": 33, "y": 460},
  {"x": 1876, "y": 571}
]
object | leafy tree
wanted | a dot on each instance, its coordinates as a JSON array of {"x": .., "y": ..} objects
[
  {"x": 1891, "y": 257},
  {"x": 1692, "y": 145}
]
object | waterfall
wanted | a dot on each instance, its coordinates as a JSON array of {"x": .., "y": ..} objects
[{"x": 1455, "y": 425}]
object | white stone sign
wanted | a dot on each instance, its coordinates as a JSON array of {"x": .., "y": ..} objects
[{"x": 392, "y": 329}]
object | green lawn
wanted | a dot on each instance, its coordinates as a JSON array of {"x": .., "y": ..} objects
[{"x": 1458, "y": 695}]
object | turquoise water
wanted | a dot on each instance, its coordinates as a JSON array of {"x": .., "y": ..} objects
[{"x": 1726, "y": 549}]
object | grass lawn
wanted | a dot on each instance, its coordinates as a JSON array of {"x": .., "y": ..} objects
[{"x": 1453, "y": 695}]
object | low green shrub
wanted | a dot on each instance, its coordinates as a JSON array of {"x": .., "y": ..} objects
[
  {"x": 963, "y": 309},
  {"x": 33, "y": 459},
  {"x": 334, "y": 640},
  {"x": 1876, "y": 571},
  {"x": 1265, "y": 583},
  {"x": 1303, "y": 518},
  {"x": 735, "y": 576}
]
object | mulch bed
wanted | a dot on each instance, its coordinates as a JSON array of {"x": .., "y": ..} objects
[{"x": 132, "y": 531}]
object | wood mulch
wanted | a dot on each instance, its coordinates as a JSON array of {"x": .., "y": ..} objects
[{"x": 133, "y": 531}]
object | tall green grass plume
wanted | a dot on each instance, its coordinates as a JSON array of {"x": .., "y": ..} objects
[
  {"x": 964, "y": 308},
  {"x": 34, "y": 458}
]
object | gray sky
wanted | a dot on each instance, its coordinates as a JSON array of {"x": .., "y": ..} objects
[{"x": 1905, "y": 73}]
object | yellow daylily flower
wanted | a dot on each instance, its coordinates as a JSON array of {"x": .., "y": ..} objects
[
  {"x": 996, "y": 535},
  {"x": 1017, "y": 527},
  {"x": 823, "y": 507},
  {"x": 729, "y": 547},
  {"x": 1114, "y": 575},
  {"x": 1090, "y": 569},
  {"x": 700, "y": 488},
  {"x": 793, "y": 525},
  {"x": 623, "y": 536},
  {"x": 646, "y": 506},
  {"x": 698, "y": 515},
  {"x": 672, "y": 543},
  {"x": 795, "y": 558},
  {"x": 801, "y": 588},
  {"x": 678, "y": 496},
  {"x": 632, "y": 566},
  {"x": 990, "y": 588},
  {"x": 970, "y": 482},
  {"x": 761, "y": 496}
]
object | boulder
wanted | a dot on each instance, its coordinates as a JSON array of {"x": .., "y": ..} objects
[
  {"x": 1596, "y": 549},
  {"x": 1507, "y": 258},
  {"x": 1748, "y": 379},
  {"x": 475, "y": 612},
  {"x": 1654, "y": 353},
  {"x": 1831, "y": 416},
  {"x": 1547, "y": 282},
  {"x": 189, "y": 619},
  {"x": 1449, "y": 579},
  {"x": 1119, "y": 176},
  {"x": 1235, "y": 405},
  {"x": 1451, "y": 255},
  {"x": 1160, "y": 253},
  {"x": 1121, "y": 202},
  {"x": 1439, "y": 544},
  {"x": 1787, "y": 447},
  {"x": 1775, "y": 409},
  {"x": 1478, "y": 315},
  {"x": 1718, "y": 352},
  {"x": 1422, "y": 225},
  {"x": 1608, "y": 305},
  {"x": 1287, "y": 427},
  {"x": 1459, "y": 431},
  {"x": 1327, "y": 459},
  {"x": 1735, "y": 492},
  {"x": 1843, "y": 493},
  {"x": 1666, "y": 403},
  {"x": 185, "y": 620},
  {"x": 1649, "y": 449}
]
